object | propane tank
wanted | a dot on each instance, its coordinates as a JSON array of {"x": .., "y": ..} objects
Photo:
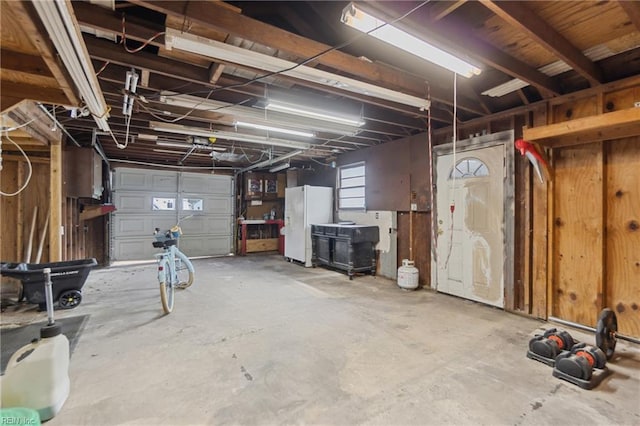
[{"x": 408, "y": 275}]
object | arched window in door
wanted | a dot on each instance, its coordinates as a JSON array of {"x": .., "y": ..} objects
[{"x": 469, "y": 168}]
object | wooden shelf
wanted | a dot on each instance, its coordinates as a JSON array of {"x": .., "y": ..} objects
[
  {"x": 95, "y": 210},
  {"x": 612, "y": 125}
]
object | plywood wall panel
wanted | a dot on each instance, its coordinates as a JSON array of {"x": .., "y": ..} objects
[
  {"x": 578, "y": 233},
  {"x": 577, "y": 109},
  {"x": 623, "y": 233}
]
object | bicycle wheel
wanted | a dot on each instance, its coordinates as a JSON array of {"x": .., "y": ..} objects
[
  {"x": 185, "y": 274},
  {"x": 167, "y": 287}
]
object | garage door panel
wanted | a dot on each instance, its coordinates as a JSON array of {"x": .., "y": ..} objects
[
  {"x": 206, "y": 225},
  {"x": 205, "y": 245},
  {"x": 205, "y": 184},
  {"x": 142, "y": 180},
  {"x": 209, "y": 201},
  {"x": 134, "y": 249}
]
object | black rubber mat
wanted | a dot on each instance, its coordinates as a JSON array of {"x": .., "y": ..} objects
[{"x": 16, "y": 337}]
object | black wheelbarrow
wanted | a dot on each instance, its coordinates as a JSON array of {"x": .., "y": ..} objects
[{"x": 67, "y": 279}]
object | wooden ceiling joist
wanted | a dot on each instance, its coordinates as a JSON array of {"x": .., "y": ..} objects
[
  {"x": 520, "y": 15},
  {"x": 632, "y": 8}
]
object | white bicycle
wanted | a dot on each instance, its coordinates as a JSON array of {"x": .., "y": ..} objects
[{"x": 175, "y": 270}]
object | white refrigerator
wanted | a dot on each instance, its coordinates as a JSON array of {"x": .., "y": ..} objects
[{"x": 304, "y": 206}]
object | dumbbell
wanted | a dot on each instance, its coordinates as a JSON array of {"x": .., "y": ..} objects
[
  {"x": 607, "y": 332},
  {"x": 551, "y": 343},
  {"x": 581, "y": 361}
]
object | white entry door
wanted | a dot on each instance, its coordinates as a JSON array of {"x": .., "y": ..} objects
[{"x": 470, "y": 246}]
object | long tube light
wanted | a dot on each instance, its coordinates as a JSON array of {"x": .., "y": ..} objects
[
  {"x": 254, "y": 115},
  {"x": 280, "y": 167},
  {"x": 216, "y": 50},
  {"x": 271, "y": 161},
  {"x": 311, "y": 113},
  {"x": 241, "y": 137},
  {"x": 360, "y": 20},
  {"x": 65, "y": 35},
  {"x": 186, "y": 145},
  {"x": 275, "y": 129}
]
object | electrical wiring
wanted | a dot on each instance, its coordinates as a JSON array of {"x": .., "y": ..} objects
[
  {"x": 103, "y": 68},
  {"x": 11, "y": 129},
  {"x": 5, "y": 194},
  {"x": 145, "y": 44}
]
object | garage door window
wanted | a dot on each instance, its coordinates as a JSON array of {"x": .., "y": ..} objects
[
  {"x": 164, "y": 203},
  {"x": 192, "y": 204}
]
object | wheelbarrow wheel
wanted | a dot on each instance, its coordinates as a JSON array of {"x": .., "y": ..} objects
[{"x": 69, "y": 299}]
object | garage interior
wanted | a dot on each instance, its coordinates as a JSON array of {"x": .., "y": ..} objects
[{"x": 511, "y": 188}]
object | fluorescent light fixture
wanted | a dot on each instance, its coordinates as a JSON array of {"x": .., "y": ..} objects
[
  {"x": 146, "y": 137},
  {"x": 237, "y": 55},
  {"x": 189, "y": 146},
  {"x": 275, "y": 129},
  {"x": 311, "y": 113},
  {"x": 358, "y": 19},
  {"x": 257, "y": 116},
  {"x": 185, "y": 130},
  {"x": 65, "y": 34},
  {"x": 271, "y": 161},
  {"x": 280, "y": 167}
]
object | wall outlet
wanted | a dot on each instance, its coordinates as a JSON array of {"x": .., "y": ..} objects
[{"x": 414, "y": 207}]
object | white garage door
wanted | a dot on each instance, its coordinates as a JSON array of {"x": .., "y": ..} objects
[{"x": 149, "y": 199}]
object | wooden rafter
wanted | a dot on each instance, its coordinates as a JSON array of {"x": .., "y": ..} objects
[
  {"x": 32, "y": 31},
  {"x": 519, "y": 15},
  {"x": 443, "y": 8},
  {"x": 632, "y": 9}
]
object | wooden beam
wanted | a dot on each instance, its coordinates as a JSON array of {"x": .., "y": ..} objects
[
  {"x": 28, "y": 21},
  {"x": 18, "y": 61},
  {"x": 102, "y": 19},
  {"x": 632, "y": 8},
  {"x": 23, "y": 91},
  {"x": 215, "y": 71},
  {"x": 55, "y": 194},
  {"x": 443, "y": 8},
  {"x": 523, "y": 18},
  {"x": 612, "y": 125}
]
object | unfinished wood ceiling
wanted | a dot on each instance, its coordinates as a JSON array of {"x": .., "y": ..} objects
[{"x": 527, "y": 51}]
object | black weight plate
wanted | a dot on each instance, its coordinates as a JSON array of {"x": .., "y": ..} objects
[{"x": 606, "y": 332}]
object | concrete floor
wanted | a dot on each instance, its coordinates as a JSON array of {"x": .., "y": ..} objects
[{"x": 257, "y": 341}]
